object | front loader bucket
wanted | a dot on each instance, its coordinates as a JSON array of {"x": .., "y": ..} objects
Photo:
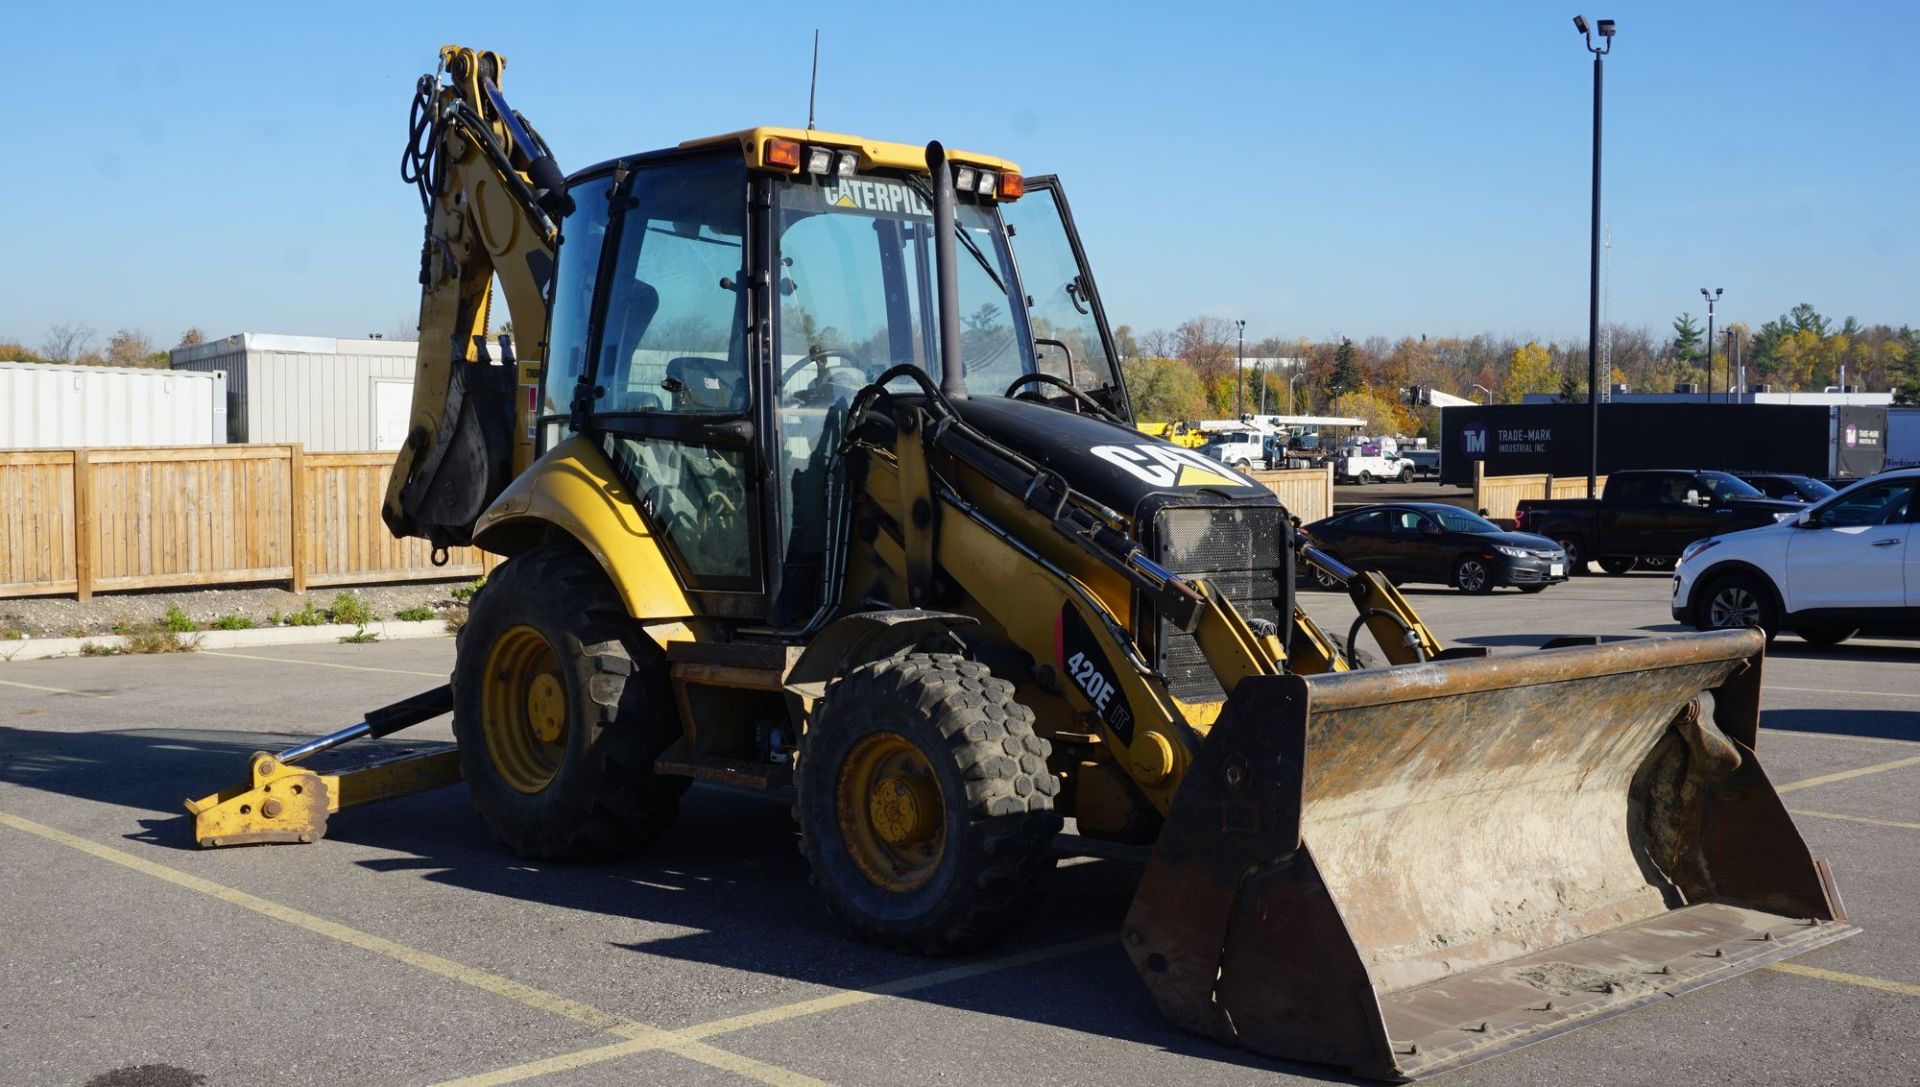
[{"x": 1403, "y": 870}]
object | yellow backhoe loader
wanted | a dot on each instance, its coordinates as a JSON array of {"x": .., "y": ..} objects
[{"x": 826, "y": 480}]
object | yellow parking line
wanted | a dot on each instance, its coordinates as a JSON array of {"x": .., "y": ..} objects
[
  {"x": 1844, "y": 775},
  {"x": 1861, "y": 980},
  {"x": 322, "y": 664},
  {"x": 55, "y": 690},
  {"x": 1856, "y": 819},
  {"x": 552, "y": 1003},
  {"x": 567, "y": 1062}
]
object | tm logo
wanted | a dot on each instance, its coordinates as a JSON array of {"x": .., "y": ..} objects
[{"x": 1476, "y": 439}]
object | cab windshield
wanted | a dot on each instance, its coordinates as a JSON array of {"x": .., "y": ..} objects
[{"x": 856, "y": 288}]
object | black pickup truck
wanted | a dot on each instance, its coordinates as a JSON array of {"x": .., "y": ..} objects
[{"x": 1648, "y": 515}]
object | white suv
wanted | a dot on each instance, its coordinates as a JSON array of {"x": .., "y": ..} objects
[{"x": 1822, "y": 573}]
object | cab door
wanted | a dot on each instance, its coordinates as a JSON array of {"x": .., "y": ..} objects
[{"x": 1070, "y": 333}]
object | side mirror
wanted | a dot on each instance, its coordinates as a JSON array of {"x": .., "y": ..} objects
[{"x": 1804, "y": 519}]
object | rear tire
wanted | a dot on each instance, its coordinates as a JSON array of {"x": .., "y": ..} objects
[
  {"x": 1738, "y": 600},
  {"x": 560, "y": 705},
  {"x": 925, "y": 803},
  {"x": 1576, "y": 562},
  {"x": 1472, "y": 575},
  {"x": 1617, "y": 567},
  {"x": 1363, "y": 478},
  {"x": 1656, "y": 564}
]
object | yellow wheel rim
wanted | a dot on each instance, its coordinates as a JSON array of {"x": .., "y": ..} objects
[
  {"x": 892, "y": 814},
  {"x": 523, "y": 710}
]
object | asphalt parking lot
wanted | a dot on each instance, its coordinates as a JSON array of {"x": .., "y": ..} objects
[{"x": 406, "y": 949}]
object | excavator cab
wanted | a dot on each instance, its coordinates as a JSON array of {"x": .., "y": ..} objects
[{"x": 716, "y": 311}]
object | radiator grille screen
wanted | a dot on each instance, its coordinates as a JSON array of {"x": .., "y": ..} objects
[{"x": 1238, "y": 550}]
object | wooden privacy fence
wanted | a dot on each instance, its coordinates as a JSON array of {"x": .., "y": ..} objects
[
  {"x": 1497, "y": 496},
  {"x": 95, "y": 520},
  {"x": 1306, "y": 492}
]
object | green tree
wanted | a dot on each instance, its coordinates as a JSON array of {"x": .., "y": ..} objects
[
  {"x": 1164, "y": 390},
  {"x": 1124, "y": 342},
  {"x": 1686, "y": 338},
  {"x": 1345, "y": 375}
]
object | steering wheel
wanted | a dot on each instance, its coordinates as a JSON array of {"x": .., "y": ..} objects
[
  {"x": 816, "y": 355},
  {"x": 1038, "y": 377}
]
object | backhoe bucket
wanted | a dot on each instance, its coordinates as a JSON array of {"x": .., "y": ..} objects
[{"x": 1403, "y": 870}]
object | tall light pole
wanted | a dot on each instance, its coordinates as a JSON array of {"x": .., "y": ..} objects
[
  {"x": 1734, "y": 386},
  {"x": 1239, "y": 371},
  {"x": 1711, "y": 297},
  {"x": 1486, "y": 390},
  {"x": 1593, "y": 290}
]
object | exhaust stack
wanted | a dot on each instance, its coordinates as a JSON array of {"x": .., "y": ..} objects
[{"x": 953, "y": 379}]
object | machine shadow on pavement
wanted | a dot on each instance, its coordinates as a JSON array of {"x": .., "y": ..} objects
[{"x": 727, "y": 876}]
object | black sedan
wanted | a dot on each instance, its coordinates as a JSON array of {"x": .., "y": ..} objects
[
  {"x": 1783, "y": 485},
  {"x": 1435, "y": 542}
]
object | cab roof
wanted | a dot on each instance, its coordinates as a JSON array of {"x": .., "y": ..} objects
[{"x": 874, "y": 154}]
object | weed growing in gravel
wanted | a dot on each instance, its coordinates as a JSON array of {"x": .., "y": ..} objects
[
  {"x": 360, "y": 637},
  {"x": 348, "y": 608},
  {"x": 307, "y": 616},
  {"x": 419, "y": 613},
  {"x": 121, "y": 626},
  {"x": 464, "y": 593},
  {"x": 14, "y": 634},
  {"x": 159, "y": 639},
  {"x": 231, "y": 622},
  {"x": 79, "y": 632},
  {"x": 99, "y": 649},
  {"x": 178, "y": 622},
  {"x": 456, "y": 619}
]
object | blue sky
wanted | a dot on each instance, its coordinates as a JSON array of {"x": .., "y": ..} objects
[{"x": 1318, "y": 169}]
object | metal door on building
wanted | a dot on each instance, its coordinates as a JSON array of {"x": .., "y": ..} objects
[{"x": 392, "y": 410}]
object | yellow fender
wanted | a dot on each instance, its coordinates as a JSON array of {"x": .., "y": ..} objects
[{"x": 573, "y": 488}]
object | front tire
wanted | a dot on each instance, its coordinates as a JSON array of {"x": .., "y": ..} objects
[
  {"x": 1738, "y": 600},
  {"x": 1406, "y": 475},
  {"x": 925, "y": 803},
  {"x": 560, "y": 705},
  {"x": 1472, "y": 575},
  {"x": 1617, "y": 567},
  {"x": 1824, "y": 636}
]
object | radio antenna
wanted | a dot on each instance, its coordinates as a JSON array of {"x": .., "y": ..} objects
[{"x": 813, "y": 82}]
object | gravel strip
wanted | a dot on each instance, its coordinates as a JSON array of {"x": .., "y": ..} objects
[{"x": 56, "y": 616}]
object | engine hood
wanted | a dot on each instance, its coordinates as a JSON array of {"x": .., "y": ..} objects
[{"x": 1113, "y": 464}]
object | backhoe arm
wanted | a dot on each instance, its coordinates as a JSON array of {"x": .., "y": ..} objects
[{"x": 492, "y": 194}]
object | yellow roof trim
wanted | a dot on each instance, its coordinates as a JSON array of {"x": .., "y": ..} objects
[{"x": 874, "y": 154}]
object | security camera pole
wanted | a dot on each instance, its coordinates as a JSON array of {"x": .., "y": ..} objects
[{"x": 1593, "y": 291}]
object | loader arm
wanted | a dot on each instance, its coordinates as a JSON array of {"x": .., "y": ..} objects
[{"x": 492, "y": 195}]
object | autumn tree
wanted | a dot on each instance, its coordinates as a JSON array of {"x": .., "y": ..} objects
[
  {"x": 1383, "y": 416},
  {"x": 1530, "y": 371},
  {"x": 131, "y": 347},
  {"x": 192, "y": 337},
  {"x": 66, "y": 342}
]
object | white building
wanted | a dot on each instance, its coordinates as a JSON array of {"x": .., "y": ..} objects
[{"x": 330, "y": 395}]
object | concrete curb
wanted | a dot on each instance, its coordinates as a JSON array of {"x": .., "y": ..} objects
[{"x": 28, "y": 649}]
